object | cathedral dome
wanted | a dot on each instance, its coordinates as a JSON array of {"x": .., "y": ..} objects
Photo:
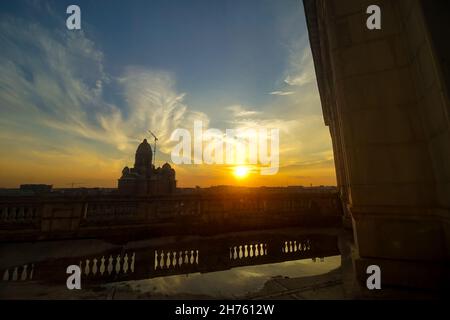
[
  {"x": 144, "y": 148},
  {"x": 143, "y": 158}
]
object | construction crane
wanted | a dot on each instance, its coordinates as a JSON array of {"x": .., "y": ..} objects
[{"x": 154, "y": 147}]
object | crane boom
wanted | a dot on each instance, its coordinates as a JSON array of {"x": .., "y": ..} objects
[
  {"x": 154, "y": 147},
  {"x": 156, "y": 139}
]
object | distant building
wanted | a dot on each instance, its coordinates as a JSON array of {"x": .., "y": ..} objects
[
  {"x": 36, "y": 188},
  {"x": 144, "y": 178}
]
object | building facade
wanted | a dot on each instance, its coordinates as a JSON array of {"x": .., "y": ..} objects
[{"x": 385, "y": 97}]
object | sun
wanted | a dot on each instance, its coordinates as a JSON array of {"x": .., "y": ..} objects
[{"x": 241, "y": 172}]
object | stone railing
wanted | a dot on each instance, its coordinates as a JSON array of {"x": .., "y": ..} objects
[
  {"x": 23, "y": 218},
  {"x": 19, "y": 214},
  {"x": 125, "y": 262}
]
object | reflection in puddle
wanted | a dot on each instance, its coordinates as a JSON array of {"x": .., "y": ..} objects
[{"x": 231, "y": 283}]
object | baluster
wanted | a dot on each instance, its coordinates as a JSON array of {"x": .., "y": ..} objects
[
  {"x": 20, "y": 214},
  {"x": 261, "y": 249},
  {"x": 87, "y": 269},
  {"x": 94, "y": 267},
  {"x": 125, "y": 263},
  {"x": 286, "y": 249},
  {"x": 156, "y": 260},
  {"x": 290, "y": 246},
  {"x": 6, "y": 275},
  {"x": 240, "y": 252},
  {"x": 118, "y": 264},
  {"x": 133, "y": 258},
  {"x": 23, "y": 277},
  {"x": 6, "y": 214},
  {"x": 102, "y": 266},
  {"x": 235, "y": 256},
  {"x": 245, "y": 251},
  {"x": 231, "y": 254},
  {"x": 196, "y": 257},
  {"x": 295, "y": 245},
  {"x": 110, "y": 264},
  {"x": 265, "y": 249},
  {"x": 15, "y": 275},
  {"x": 32, "y": 271},
  {"x": 161, "y": 261},
  {"x": 174, "y": 259},
  {"x": 186, "y": 258},
  {"x": 256, "y": 250},
  {"x": 12, "y": 214},
  {"x": 180, "y": 258},
  {"x": 168, "y": 260},
  {"x": 27, "y": 214},
  {"x": 192, "y": 257},
  {"x": 251, "y": 251}
]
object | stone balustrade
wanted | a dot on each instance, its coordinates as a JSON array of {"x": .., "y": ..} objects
[
  {"x": 181, "y": 257},
  {"x": 32, "y": 218}
]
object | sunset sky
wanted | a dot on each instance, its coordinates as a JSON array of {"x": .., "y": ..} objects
[{"x": 74, "y": 105}]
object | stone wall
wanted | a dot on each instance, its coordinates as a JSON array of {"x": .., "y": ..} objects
[
  {"x": 385, "y": 98},
  {"x": 25, "y": 218}
]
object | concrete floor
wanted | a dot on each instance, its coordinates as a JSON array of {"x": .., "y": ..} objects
[{"x": 328, "y": 286}]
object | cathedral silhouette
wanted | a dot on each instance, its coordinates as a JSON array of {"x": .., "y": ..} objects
[{"x": 144, "y": 179}]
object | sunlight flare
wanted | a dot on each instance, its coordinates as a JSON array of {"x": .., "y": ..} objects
[{"x": 241, "y": 172}]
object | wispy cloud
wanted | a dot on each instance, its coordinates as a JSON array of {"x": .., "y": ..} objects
[
  {"x": 281, "y": 93},
  {"x": 301, "y": 66},
  {"x": 59, "y": 85},
  {"x": 52, "y": 92},
  {"x": 238, "y": 111}
]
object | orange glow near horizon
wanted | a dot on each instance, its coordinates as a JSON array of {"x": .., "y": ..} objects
[
  {"x": 104, "y": 174},
  {"x": 88, "y": 168}
]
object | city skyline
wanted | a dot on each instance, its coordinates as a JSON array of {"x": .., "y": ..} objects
[{"x": 75, "y": 104}]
